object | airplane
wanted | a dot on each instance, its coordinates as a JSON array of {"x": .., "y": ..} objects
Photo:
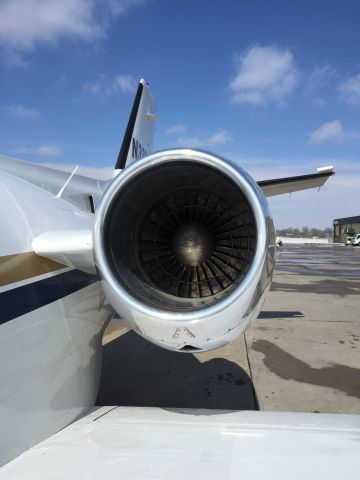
[{"x": 180, "y": 244}]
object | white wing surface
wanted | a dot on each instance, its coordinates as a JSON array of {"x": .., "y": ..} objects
[{"x": 154, "y": 443}]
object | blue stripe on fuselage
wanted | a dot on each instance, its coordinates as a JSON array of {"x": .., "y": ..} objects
[{"x": 27, "y": 298}]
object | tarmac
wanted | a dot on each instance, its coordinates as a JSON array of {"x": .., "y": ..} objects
[{"x": 301, "y": 354}]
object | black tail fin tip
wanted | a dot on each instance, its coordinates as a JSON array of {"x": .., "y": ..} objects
[{"x": 125, "y": 146}]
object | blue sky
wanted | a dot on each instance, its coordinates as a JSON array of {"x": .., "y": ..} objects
[{"x": 273, "y": 85}]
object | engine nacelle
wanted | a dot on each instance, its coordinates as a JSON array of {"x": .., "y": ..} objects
[{"x": 184, "y": 246}]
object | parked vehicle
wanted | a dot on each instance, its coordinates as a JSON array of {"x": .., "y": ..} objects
[
  {"x": 349, "y": 239},
  {"x": 356, "y": 240}
]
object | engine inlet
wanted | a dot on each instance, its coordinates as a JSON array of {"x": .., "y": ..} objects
[
  {"x": 194, "y": 244},
  {"x": 180, "y": 236},
  {"x": 184, "y": 247}
]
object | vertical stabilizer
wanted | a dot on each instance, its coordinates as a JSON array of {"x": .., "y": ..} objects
[{"x": 138, "y": 138}]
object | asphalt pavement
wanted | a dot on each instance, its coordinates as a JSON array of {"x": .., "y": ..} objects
[{"x": 301, "y": 354}]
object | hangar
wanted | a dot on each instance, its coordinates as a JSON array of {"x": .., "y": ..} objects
[{"x": 344, "y": 227}]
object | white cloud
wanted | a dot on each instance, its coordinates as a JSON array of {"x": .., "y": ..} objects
[
  {"x": 350, "y": 90},
  {"x": 353, "y": 134},
  {"x": 318, "y": 102},
  {"x": 46, "y": 150},
  {"x": 23, "y": 113},
  {"x": 177, "y": 129},
  {"x": 26, "y": 24},
  {"x": 327, "y": 131},
  {"x": 320, "y": 78},
  {"x": 317, "y": 81},
  {"x": 220, "y": 137},
  {"x": 191, "y": 142},
  {"x": 125, "y": 83},
  {"x": 263, "y": 75},
  {"x": 106, "y": 87}
]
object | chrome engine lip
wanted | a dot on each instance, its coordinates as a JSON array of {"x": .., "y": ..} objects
[{"x": 240, "y": 177}]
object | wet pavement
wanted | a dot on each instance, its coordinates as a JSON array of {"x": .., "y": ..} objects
[
  {"x": 334, "y": 260},
  {"x": 304, "y": 349},
  {"x": 301, "y": 354}
]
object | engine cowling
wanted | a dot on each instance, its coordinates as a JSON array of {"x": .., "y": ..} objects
[{"x": 184, "y": 246}]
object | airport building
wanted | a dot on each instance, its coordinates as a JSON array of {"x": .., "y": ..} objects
[{"x": 343, "y": 227}]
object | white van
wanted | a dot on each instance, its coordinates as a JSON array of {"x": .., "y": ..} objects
[
  {"x": 348, "y": 240},
  {"x": 356, "y": 240}
]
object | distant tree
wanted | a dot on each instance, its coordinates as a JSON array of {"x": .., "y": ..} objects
[
  {"x": 315, "y": 232},
  {"x": 305, "y": 232}
]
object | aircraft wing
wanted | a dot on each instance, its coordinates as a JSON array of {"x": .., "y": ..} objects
[
  {"x": 279, "y": 186},
  {"x": 149, "y": 443}
]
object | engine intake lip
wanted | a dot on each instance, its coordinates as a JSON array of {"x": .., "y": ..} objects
[{"x": 239, "y": 177}]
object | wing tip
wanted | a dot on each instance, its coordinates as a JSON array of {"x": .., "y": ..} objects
[{"x": 328, "y": 169}]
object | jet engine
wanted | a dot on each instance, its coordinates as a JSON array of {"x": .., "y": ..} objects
[{"x": 184, "y": 247}]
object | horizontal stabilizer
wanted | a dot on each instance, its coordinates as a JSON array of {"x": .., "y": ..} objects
[{"x": 279, "y": 186}]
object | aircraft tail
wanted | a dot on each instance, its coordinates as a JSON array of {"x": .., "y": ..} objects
[{"x": 138, "y": 138}]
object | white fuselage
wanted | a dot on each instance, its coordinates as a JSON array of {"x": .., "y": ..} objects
[{"x": 52, "y": 319}]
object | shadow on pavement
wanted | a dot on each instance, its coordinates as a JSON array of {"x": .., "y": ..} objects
[
  {"x": 280, "y": 314},
  {"x": 138, "y": 373}
]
